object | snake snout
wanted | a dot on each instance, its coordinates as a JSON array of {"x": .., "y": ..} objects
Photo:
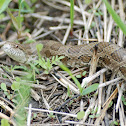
[
  {"x": 15, "y": 53},
  {"x": 6, "y": 47}
]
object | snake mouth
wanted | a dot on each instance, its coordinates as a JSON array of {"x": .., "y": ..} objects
[{"x": 14, "y": 52}]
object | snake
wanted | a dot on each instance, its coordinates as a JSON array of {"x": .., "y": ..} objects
[{"x": 110, "y": 55}]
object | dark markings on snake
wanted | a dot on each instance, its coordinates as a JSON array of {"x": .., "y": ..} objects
[
  {"x": 100, "y": 46},
  {"x": 56, "y": 46},
  {"x": 106, "y": 60},
  {"x": 118, "y": 55},
  {"x": 123, "y": 70},
  {"x": 85, "y": 58}
]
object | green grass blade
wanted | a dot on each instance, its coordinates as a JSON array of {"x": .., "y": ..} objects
[
  {"x": 74, "y": 78},
  {"x": 90, "y": 89},
  {"x": 72, "y": 12},
  {"x": 115, "y": 17},
  {"x": 3, "y": 5}
]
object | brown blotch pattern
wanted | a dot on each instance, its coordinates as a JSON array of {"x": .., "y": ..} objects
[
  {"x": 118, "y": 54},
  {"x": 106, "y": 60},
  {"x": 123, "y": 70},
  {"x": 100, "y": 47},
  {"x": 47, "y": 53},
  {"x": 56, "y": 46},
  {"x": 85, "y": 58},
  {"x": 64, "y": 60}
]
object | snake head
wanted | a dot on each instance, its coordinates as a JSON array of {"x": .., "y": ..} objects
[{"x": 15, "y": 51}]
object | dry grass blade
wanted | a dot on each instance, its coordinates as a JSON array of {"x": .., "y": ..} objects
[{"x": 105, "y": 107}]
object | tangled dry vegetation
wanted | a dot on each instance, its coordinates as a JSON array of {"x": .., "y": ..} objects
[{"x": 52, "y": 102}]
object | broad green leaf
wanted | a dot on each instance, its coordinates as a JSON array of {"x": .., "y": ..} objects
[
  {"x": 116, "y": 18},
  {"x": 3, "y": 86},
  {"x": 15, "y": 85},
  {"x": 3, "y": 5},
  {"x": 78, "y": 76},
  {"x": 84, "y": 73},
  {"x": 4, "y": 122},
  {"x": 80, "y": 115},
  {"x": 90, "y": 89},
  {"x": 92, "y": 116},
  {"x": 116, "y": 123}
]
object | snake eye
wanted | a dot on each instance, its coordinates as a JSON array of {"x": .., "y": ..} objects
[{"x": 16, "y": 46}]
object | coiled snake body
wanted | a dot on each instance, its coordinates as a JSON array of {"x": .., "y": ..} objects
[{"x": 110, "y": 55}]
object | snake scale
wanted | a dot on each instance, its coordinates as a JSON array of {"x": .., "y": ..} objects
[{"x": 110, "y": 55}]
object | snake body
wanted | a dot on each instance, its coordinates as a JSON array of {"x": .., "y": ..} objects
[{"x": 110, "y": 55}]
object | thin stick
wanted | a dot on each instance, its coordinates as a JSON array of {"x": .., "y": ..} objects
[
  {"x": 29, "y": 115},
  {"x": 106, "y": 104},
  {"x": 66, "y": 34},
  {"x": 55, "y": 19},
  {"x": 109, "y": 82},
  {"x": 122, "y": 15},
  {"x": 61, "y": 113},
  {"x": 105, "y": 23},
  {"x": 88, "y": 79},
  {"x": 110, "y": 25}
]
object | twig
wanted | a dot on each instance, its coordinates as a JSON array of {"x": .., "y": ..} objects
[
  {"x": 122, "y": 15},
  {"x": 79, "y": 123},
  {"x": 105, "y": 22},
  {"x": 61, "y": 113},
  {"x": 55, "y": 19},
  {"x": 29, "y": 115},
  {"x": 100, "y": 95},
  {"x": 120, "y": 95},
  {"x": 88, "y": 79},
  {"x": 109, "y": 82},
  {"x": 66, "y": 84},
  {"x": 66, "y": 34},
  {"x": 110, "y": 24}
]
